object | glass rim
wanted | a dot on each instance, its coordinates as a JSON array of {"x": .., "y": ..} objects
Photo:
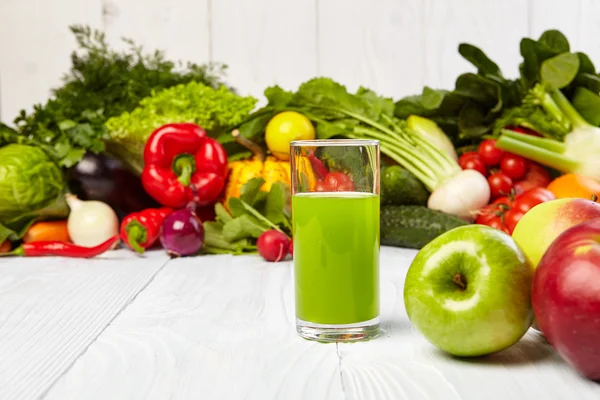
[{"x": 334, "y": 142}]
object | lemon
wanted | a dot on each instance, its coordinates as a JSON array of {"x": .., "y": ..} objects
[{"x": 285, "y": 127}]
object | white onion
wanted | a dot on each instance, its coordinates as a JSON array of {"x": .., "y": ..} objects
[
  {"x": 462, "y": 195},
  {"x": 90, "y": 222}
]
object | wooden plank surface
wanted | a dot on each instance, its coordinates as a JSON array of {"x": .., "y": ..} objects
[
  {"x": 495, "y": 27},
  {"x": 215, "y": 327},
  {"x": 52, "y": 309},
  {"x": 180, "y": 28},
  {"x": 264, "y": 42},
  {"x": 35, "y": 45},
  {"x": 223, "y": 327},
  {"x": 378, "y": 44},
  {"x": 402, "y": 365}
]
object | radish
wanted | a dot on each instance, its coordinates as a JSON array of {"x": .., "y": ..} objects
[
  {"x": 462, "y": 195},
  {"x": 273, "y": 245}
]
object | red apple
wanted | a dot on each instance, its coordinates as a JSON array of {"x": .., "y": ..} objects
[{"x": 566, "y": 297}]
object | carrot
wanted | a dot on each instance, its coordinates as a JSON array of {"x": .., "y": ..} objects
[
  {"x": 47, "y": 230},
  {"x": 5, "y": 246}
]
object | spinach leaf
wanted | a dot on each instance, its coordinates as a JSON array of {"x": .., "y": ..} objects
[
  {"x": 483, "y": 91},
  {"x": 587, "y": 104},
  {"x": 243, "y": 227},
  {"x": 479, "y": 59},
  {"x": 472, "y": 120},
  {"x": 555, "y": 41},
  {"x": 558, "y": 72},
  {"x": 585, "y": 64},
  {"x": 275, "y": 205},
  {"x": 530, "y": 67},
  {"x": 251, "y": 192}
]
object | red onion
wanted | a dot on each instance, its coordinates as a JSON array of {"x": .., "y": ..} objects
[{"x": 182, "y": 233}]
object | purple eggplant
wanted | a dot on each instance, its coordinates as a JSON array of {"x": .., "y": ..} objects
[{"x": 106, "y": 179}]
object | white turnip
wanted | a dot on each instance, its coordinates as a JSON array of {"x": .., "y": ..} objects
[{"x": 462, "y": 195}]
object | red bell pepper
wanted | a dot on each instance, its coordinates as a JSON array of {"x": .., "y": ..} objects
[
  {"x": 178, "y": 157},
  {"x": 140, "y": 230}
]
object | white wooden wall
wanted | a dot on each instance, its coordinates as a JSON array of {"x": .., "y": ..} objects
[{"x": 392, "y": 46}]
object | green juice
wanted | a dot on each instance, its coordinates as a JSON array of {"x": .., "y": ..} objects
[{"x": 336, "y": 257}]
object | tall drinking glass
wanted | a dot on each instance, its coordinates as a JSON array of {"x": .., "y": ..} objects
[{"x": 335, "y": 209}]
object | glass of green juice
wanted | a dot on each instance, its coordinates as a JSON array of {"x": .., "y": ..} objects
[{"x": 335, "y": 212}]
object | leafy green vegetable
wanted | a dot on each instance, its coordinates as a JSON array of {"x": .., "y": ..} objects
[
  {"x": 479, "y": 59},
  {"x": 559, "y": 71},
  {"x": 101, "y": 83},
  {"x": 588, "y": 104},
  {"x": 214, "y": 109},
  {"x": 363, "y": 115},
  {"x": 576, "y": 148},
  {"x": 31, "y": 186},
  {"x": 255, "y": 212},
  {"x": 482, "y": 102}
]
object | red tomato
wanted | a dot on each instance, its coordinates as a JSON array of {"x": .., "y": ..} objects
[
  {"x": 335, "y": 182},
  {"x": 531, "y": 198},
  {"x": 489, "y": 153},
  {"x": 473, "y": 161},
  {"x": 504, "y": 200},
  {"x": 513, "y": 166},
  {"x": 500, "y": 184},
  {"x": 488, "y": 213},
  {"x": 536, "y": 176},
  {"x": 521, "y": 129},
  {"x": 505, "y": 212},
  {"x": 498, "y": 224},
  {"x": 511, "y": 218}
]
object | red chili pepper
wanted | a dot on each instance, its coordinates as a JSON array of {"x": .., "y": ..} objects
[
  {"x": 318, "y": 166},
  {"x": 140, "y": 230},
  {"x": 63, "y": 249},
  {"x": 177, "y": 156},
  {"x": 335, "y": 182}
]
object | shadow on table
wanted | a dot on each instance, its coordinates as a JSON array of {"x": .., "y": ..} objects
[
  {"x": 532, "y": 348},
  {"x": 396, "y": 325}
]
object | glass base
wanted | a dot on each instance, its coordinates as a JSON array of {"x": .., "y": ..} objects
[{"x": 357, "y": 332}]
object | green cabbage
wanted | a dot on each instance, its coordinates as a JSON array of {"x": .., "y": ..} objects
[{"x": 31, "y": 186}]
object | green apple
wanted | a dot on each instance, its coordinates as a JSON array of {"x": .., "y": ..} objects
[{"x": 469, "y": 291}]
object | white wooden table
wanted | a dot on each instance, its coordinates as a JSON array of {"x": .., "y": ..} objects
[{"x": 222, "y": 327}]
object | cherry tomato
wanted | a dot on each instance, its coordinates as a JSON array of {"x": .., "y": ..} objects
[
  {"x": 511, "y": 218},
  {"x": 531, "y": 198},
  {"x": 489, "y": 153},
  {"x": 524, "y": 130},
  {"x": 536, "y": 176},
  {"x": 472, "y": 161},
  {"x": 488, "y": 213},
  {"x": 507, "y": 201},
  {"x": 507, "y": 211},
  {"x": 335, "y": 182},
  {"x": 513, "y": 166},
  {"x": 498, "y": 224},
  {"x": 500, "y": 184},
  {"x": 465, "y": 156}
]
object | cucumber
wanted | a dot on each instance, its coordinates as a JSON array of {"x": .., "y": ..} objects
[
  {"x": 414, "y": 226},
  {"x": 401, "y": 187}
]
